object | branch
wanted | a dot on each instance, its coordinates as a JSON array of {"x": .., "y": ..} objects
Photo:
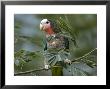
[
  {"x": 26, "y": 72},
  {"x": 85, "y": 55}
]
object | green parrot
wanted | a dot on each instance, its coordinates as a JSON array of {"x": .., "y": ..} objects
[{"x": 56, "y": 50}]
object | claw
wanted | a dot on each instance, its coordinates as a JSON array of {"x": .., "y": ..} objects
[
  {"x": 67, "y": 61},
  {"x": 47, "y": 67}
]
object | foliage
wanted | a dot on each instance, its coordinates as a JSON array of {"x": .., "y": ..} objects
[{"x": 29, "y": 44}]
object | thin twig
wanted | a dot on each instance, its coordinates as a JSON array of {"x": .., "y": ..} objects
[
  {"x": 26, "y": 72},
  {"x": 85, "y": 55}
]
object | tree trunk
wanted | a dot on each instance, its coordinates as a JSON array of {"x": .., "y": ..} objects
[{"x": 57, "y": 70}]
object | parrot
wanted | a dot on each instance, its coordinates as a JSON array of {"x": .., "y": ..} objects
[{"x": 56, "y": 49}]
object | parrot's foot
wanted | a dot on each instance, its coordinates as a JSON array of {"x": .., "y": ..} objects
[
  {"x": 67, "y": 61},
  {"x": 47, "y": 67}
]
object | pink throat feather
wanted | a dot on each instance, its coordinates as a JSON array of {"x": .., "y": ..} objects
[{"x": 49, "y": 31}]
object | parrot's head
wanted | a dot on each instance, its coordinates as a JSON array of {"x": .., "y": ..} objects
[{"x": 45, "y": 26}]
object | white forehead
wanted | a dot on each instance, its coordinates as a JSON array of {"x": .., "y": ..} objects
[{"x": 44, "y": 20}]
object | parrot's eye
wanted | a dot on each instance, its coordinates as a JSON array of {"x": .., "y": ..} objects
[{"x": 47, "y": 22}]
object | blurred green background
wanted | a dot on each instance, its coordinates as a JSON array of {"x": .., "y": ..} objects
[{"x": 29, "y": 41}]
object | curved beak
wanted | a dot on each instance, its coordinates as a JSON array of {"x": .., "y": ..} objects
[{"x": 41, "y": 27}]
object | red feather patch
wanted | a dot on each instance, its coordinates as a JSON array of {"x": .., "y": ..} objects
[{"x": 49, "y": 31}]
